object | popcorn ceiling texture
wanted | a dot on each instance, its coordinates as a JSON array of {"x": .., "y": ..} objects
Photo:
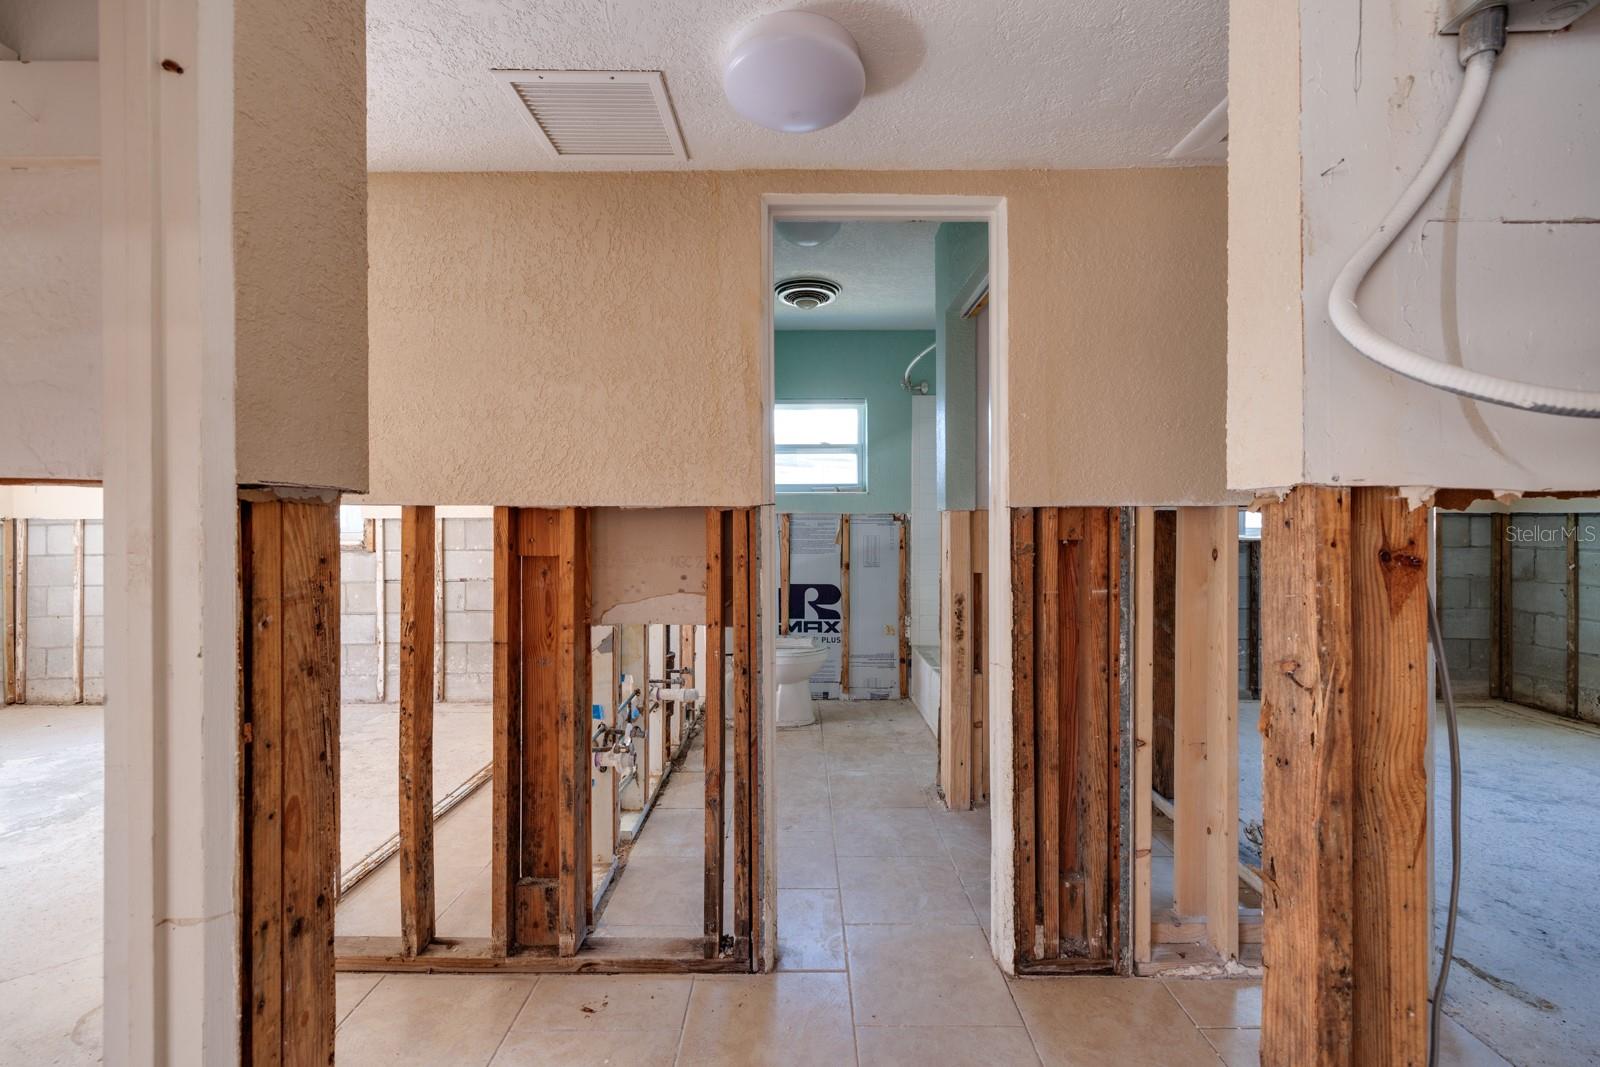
[
  {"x": 549, "y": 339},
  {"x": 300, "y": 261},
  {"x": 1028, "y": 83}
]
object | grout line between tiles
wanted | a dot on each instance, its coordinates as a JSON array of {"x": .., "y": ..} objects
[
  {"x": 537, "y": 981},
  {"x": 358, "y": 1003}
]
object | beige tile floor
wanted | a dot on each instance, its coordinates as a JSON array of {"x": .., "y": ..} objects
[{"x": 883, "y": 899}]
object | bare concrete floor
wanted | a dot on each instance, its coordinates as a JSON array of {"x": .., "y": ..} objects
[
  {"x": 52, "y": 783},
  {"x": 52, "y": 775},
  {"x": 1527, "y": 954},
  {"x": 369, "y": 800}
]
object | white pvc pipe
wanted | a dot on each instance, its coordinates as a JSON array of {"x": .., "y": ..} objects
[{"x": 1346, "y": 315}]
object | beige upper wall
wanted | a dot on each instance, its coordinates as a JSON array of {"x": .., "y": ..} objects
[
  {"x": 594, "y": 339},
  {"x": 300, "y": 242}
]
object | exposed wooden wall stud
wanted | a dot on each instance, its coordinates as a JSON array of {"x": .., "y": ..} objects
[
  {"x": 1344, "y": 723},
  {"x": 417, "y": 602},
  {"x": 289, "y": 557}
]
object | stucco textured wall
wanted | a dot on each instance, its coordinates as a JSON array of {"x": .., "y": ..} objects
[
  {"x": 594, "y": 339},
  {"x": 300, "y": 237}
]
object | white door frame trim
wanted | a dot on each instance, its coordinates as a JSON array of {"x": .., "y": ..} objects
[
  {"x": 868, "y": 207},
  {"x": 171, "y": 518}
]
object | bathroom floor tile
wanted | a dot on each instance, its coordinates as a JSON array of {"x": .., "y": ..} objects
[
  {"x": 810, "y": 930},
  {"x": 431, "y": 1019},
  {"x": 1129, "y": 1022},
  {"x": 1225, "y": 1002},
  {"x": 938, "y": 1046},
  {"x": 784, "y": 1020},
  {"x": 926, "y": 976}
]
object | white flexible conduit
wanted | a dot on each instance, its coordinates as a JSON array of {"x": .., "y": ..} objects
[{"x": 1346, "y": 315}]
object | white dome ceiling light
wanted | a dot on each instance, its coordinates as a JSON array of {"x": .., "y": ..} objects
[
  {"x": 807, "y": 234},
  {"x": 794, "y": 72},
  {"x": 807, "y": 294}
]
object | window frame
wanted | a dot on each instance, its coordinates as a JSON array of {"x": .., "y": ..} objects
[{"x": 859, "y": 450}]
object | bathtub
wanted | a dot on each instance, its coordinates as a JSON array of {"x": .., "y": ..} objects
[{"x": 925, "y": 684}]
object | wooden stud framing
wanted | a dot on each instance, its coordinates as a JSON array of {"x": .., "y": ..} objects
[
  {"x": 844, "y": 606},
  {"x": 507, "y": 730},
  {"x": 1144, "y": 622},
  {"x": 8, "y": 604},
  {"x": 1074, "y": 747},
  {"x": 978, "y": 641},
  {"x": 903, "y": 609},
  {"x": 1206, "y": 682},
  {"x": 289, "y": 552},
  {"x": 524, "y": 910},
  {"x": 1047, "y": 717},
  {"x": 718, "y": 532},
  {"x": 1345, "y": 713},
  {"x": 753, "y": 786},
  {"x": 552, "y": 851},
  {"x": 743, "y": 859},
  {"x": 955, "y": 659},
  {"x": 1164, "y": 533},
  {"x": 417, "y": 602},
  {"x": 1024, "y": 813}
]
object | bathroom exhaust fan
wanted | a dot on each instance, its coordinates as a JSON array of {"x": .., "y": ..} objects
[{"x": 807, "y": 294}]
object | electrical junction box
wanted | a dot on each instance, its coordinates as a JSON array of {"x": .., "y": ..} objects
[{"x": 1522, "y": 16}]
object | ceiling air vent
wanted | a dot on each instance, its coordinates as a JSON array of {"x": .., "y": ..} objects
[
  {"x": 806, "y": 294},
  {"x": 622, "y": 116}
]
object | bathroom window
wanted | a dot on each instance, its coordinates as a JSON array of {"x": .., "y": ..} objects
[{"x": 821, "y": 447}]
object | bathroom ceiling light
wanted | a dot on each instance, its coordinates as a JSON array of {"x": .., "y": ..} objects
[
  {"x": 807, "y": 234},
  {"x": 794, "y": 72},
  {"x": 806, "y": 294}
]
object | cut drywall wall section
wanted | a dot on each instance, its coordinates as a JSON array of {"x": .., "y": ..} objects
[
  {"x": 647, "y": 565},
  {"x": 300, "y": 263},
  {"x": 1495, "y": 274},
  {"x": 856, "y": 365},
  {"x": 50, "y": 391},
  {"x": 596, "y": 339}
]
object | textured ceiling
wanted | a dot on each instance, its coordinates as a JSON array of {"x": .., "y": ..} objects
[
  {"x": 884, "y": 270},
  {"x": 950, "y": 83}
]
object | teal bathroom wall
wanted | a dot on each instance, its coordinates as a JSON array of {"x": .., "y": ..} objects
[
  {"x": 857, "y": 365},
  {"x": 960, "y": 272}
]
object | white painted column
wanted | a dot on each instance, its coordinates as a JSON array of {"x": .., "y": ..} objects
[{"x": 170, "y": 502}]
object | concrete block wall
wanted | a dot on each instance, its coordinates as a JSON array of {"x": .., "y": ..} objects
[
  {"x": 49, "y": 606},
  {"x": 1539, "y": 613},
  {"x": 468, "y": 614},
  {"x": 1466, "y": 600}
]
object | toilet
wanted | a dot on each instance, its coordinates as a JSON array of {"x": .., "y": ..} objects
[{"x": 798, "y": 658}]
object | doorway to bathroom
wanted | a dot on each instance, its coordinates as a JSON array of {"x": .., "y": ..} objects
[{"x": 885, "y": 395}]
